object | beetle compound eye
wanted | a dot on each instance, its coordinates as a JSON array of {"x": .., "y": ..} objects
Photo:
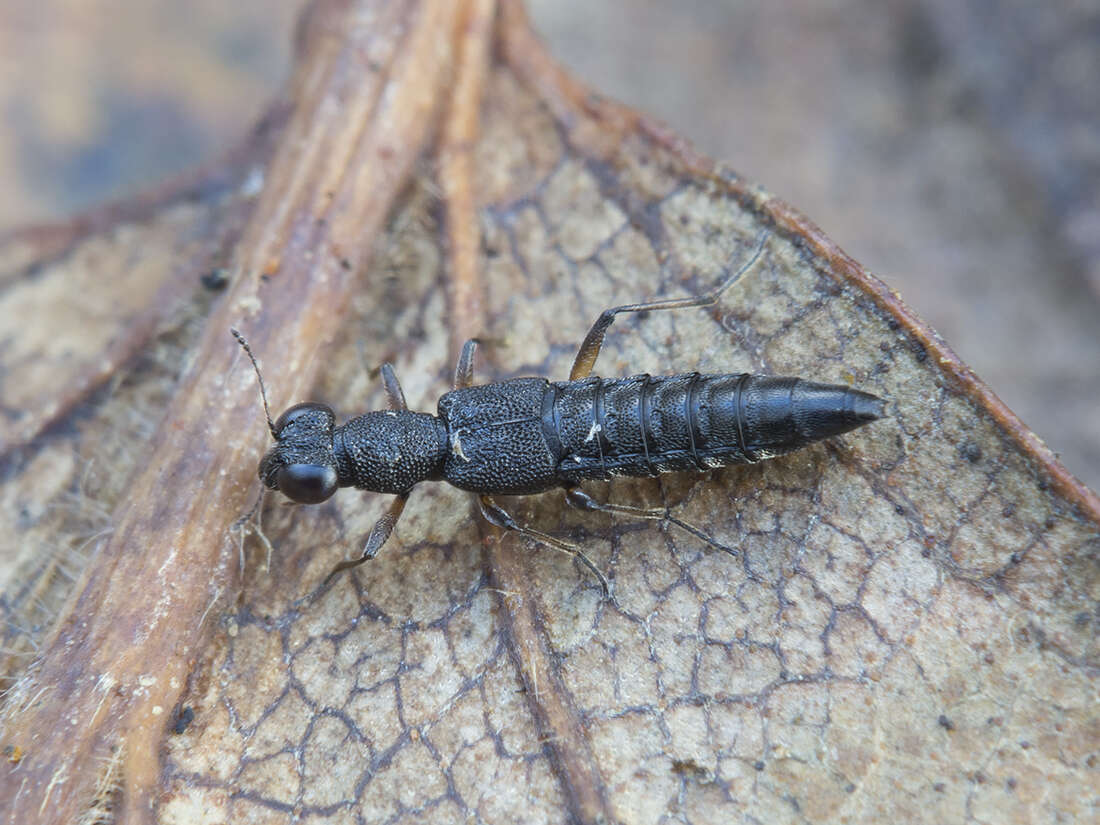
[
  {"x": 306, "y": 483},
  {"x": 297, "y": 411}
]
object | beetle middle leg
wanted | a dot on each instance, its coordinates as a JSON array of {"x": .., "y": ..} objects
[
  {"x": 493, "y": 512},
  {"x": 593, "y": 341},
  {"x": 498, "y": 516}
]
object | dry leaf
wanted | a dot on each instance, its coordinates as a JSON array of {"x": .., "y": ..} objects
[{"x": 906, "y": 627}]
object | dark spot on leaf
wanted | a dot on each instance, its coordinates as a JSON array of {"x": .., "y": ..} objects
[
  {"x": 183, "y": 719},
  {"x": 919, "y": 352},
  {"x": 971, "y": 452},
  {"x": 1010, "y": 783},
  {"x": 216, "y": 279},
  {"x": 946, "y": 723},
  {"x": 1009, "y": 511},
  {"x": 758, "y": 765},
  {"x": 939, "y": 787},
  {"x": 689, "y": 767},
  {"x": 921, "y": 51}
]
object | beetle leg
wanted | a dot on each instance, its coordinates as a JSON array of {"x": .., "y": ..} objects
[
  {"x": 582, "y": 501},
  {"x": 378, "y": 535},
  {"x": 464, "y": 369},
  {"x": 593, "y": 341},
  {"x": 496, "y": 515},
  {"x": 393, "y": 388},
  {"x": 576, "y": 497}
]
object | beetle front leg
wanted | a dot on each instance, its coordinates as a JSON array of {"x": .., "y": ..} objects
[
  {"x": 378, "y": 535},
  {"x": 394, "y": 392}
]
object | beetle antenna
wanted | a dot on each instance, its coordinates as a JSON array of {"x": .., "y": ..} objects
[{"x": 260, "y": 378}]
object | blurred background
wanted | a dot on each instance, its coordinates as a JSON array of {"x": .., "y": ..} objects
[{"x": 951, "y": 146}]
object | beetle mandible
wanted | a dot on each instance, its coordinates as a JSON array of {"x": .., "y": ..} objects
[{"x": 529, "y": 435}]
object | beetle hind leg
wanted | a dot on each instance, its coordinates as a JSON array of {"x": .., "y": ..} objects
[
  {"x": 590, "y": 347},
  {"x": 576, "y": 497}
]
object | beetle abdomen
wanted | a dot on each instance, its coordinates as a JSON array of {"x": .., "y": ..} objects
[{"x": 645, "y": 425}]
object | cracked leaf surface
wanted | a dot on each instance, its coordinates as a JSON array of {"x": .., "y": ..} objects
[
  {"x": 905, "y": 629},
  {"x": 899, "y": 624}
]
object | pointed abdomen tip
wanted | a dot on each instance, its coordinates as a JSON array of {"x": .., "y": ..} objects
[{"x": 866, "y": 407}]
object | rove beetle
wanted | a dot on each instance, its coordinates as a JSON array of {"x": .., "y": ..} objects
[{"x": 528, "y": 435}]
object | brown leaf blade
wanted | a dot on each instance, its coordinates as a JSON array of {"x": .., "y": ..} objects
[
  {"x": 904, "y": 628},
  {"x": 89, "y": 716}
]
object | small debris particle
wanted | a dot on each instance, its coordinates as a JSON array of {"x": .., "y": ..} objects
[
  {"x": 183, "y": 719},
  {"x": 971, "y": 452},
  {"x": 216, "y": 279},
  {"x": 456, "y": 446},
  {"x": 689, "y": 767}
]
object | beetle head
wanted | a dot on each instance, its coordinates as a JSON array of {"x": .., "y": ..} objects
[{"x": 302, "y": 464}]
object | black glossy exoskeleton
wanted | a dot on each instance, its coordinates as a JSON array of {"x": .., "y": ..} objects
[{"x": 528, "y": 435}]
